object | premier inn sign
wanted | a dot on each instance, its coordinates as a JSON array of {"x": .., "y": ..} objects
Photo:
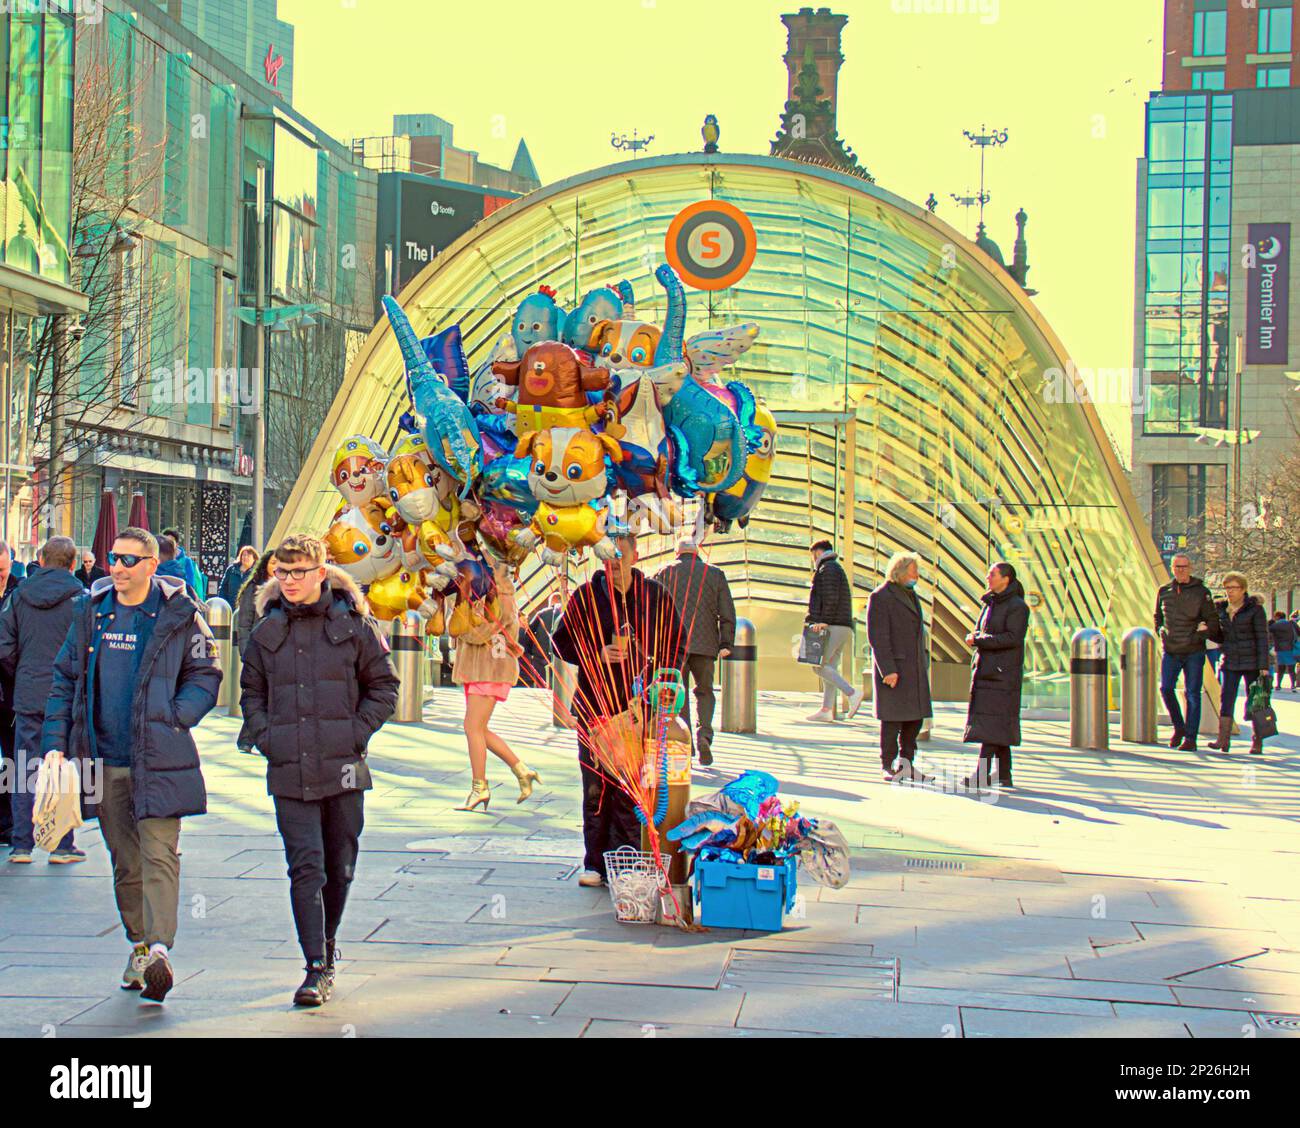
[{"x": 1268, "y": 294}]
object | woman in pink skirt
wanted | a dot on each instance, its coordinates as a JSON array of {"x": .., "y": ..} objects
[{"x": 487, "y": 665}]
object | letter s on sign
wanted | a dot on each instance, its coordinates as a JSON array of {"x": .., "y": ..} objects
[{"x": 709, "y": 240}]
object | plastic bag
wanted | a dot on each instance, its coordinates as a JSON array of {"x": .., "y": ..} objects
[
  {"x": 57, "y": 805},
  {"x": 825, "y": 854}
]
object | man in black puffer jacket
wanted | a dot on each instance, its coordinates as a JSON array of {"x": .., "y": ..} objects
[
  {"x": 317, "y": 685},
  {"x": 1185, "y": 618},
  {"x": 830, "y": 612},
  {"x": 33, "y": 625},
  {"x": 137, "y": 671}
]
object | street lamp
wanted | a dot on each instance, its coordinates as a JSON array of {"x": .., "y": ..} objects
[{"x": 984, "y": 141}]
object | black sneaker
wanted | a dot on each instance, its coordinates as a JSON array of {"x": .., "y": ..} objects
[
  {"x": 332, "y": 955},
  {"x": 1176, "y": 739},
  {"x": 316, "y": 987},
  {"x": 706, "y": 757},
  {"x": 158, "y": 978}
]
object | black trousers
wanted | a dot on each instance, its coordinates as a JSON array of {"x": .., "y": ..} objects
[
  {"x": 6, "y": 755},
  {"x": 608, "y": 818},
  {"x": 898, "y": 738},
  {"x": 1002, "y": 754},
  {"x": 699, "y": 669},
  {"x": 321, "y": 839}
]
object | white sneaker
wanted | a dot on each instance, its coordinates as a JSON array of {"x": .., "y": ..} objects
[
  {"x": 590, "y": 879},
  {"x": 855, "y": 702},
  {"x": 823, "y": 717}
]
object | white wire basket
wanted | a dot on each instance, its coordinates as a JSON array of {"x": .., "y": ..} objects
[{"x": 635, "y": 884}]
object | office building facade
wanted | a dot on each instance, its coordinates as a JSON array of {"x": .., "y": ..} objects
[{"x": 1214, "y": 313}]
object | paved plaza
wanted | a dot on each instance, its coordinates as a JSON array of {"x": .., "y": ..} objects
[{"x": 1138, "y": 892}]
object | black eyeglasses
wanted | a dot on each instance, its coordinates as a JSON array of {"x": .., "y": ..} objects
[
  {"x": 126, "y": 559},
  {"x": 295, "y": 574}
]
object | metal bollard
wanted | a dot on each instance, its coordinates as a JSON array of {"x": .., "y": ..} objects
[
  {"x": 234, "y": 667},
  {"x": 408, "y": 653},
  {"x": 1137, "y": 687},
  {"x": 1089, "y": 723},
  {"x": 217, "y": 613},
  {"x": 562, "y": 677},
  {"x": 740, "y": 681}
]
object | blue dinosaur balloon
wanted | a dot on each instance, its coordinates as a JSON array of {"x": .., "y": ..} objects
[
  {"x": 603, "y": 304},
  {"x": 709, "y": 444},
  {"x": 537, "y": 319},
  {"x": 449, "y": 428}
]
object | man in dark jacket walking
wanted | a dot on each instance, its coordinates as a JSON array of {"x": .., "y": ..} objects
[
  {"x": 993, "y": 717},
  {"x": 137, "y": 671},
  {"x": 1284, "y": 635},
  {"x": 1185, "y": 618},
  {"x": 9, "y": 582},
  {"x": 89, "y": 571},
  {"x": 900, "y": 663},
  {"x": 317, "y": 685},
  {"x": 702, "y": 597},
  {"x": 539, "y": 651},
  {"x": 618, "y": 628},
  {"x": 193, "y": 576},
  {"x": 33, "y": 625},
  {"x": 830, "y": 613}
]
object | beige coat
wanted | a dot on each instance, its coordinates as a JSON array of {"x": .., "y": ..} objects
[{"x": 481, "y": 652}]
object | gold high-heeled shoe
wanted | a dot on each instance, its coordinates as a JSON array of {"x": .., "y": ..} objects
[
  {"x": 526, "y": 777},
  {"x": 480, "y": 795}
]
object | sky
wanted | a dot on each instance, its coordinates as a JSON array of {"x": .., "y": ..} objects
[{"x": 1067, "y": 80}]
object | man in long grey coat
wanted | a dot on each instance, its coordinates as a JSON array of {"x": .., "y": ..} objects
[
  {"x": 900, "y": 665},
  {"x": 993, "y": 718},
  {"x": 702, "y": 597}
]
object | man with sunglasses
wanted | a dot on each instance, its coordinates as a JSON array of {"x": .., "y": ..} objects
[
  {"x": 317, "y": 684},
  {"x": 137, "y": 671}
]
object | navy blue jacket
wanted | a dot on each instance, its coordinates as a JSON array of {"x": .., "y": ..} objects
[
  {"x": 33, "y": 625},
  {"x": 175, "y": 688}
]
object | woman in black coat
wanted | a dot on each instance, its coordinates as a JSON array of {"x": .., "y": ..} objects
[
  {"x": 998, "y": 668},
  {"x": 1245, "y": 653},
  {"x": 900, "y": 664}
]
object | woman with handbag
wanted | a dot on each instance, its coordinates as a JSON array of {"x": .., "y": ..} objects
[
  {"x": 486, "y": 631},
  {"x": 1245, "y": 648}
]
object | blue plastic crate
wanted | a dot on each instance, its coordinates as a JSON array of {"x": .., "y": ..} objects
[{"x": 744, "y": 896}]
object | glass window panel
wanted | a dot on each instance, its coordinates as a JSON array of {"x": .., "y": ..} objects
[{"x": 1274, "y": 31}]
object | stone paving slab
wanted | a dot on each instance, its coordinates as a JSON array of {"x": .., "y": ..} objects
[{"x": 983, "y": 1023}]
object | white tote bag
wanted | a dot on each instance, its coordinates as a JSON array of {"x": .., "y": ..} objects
[{"x": 57, "y": 806}]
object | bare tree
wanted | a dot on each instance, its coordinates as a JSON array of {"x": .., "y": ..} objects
[
  {"x": 306, "y": 368},
  {"x": 76, "y": 385},
  {"x": 1258, "y": 531}
]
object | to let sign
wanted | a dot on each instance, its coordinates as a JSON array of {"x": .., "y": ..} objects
[{"x": 1268, "y": 294}]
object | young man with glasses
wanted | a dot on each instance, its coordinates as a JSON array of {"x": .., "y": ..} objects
[
  {"x": 317, "y": 684},
  {"x": 1185, "y": 619},
  {"x": 137, "y": 671}
]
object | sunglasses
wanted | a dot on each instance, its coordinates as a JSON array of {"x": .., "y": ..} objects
[
  {"x": 126, "y": 559},
  {"x": 295, "y": 574}
]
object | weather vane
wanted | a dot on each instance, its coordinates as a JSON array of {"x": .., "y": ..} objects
[
  {"x": 633, "y": 144},
  {"x": 983, "y": 141}
]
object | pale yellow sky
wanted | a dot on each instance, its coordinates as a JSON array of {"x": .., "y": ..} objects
[{"x": 1067, "y": 79}]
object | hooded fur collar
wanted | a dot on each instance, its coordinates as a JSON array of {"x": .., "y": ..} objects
[{"x": 335, "y": 578}]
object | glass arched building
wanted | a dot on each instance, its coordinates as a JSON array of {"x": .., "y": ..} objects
[{"x": 921, "y": 398}]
